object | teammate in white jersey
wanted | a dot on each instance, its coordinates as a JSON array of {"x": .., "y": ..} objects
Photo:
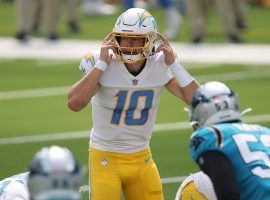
[
  {"x": 54, "y": 174},
  {"x": 15, "y": 187},
  {"x": 124, "y": 82}
]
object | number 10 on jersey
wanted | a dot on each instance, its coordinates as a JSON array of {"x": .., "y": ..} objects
[{"x": 132, "y": 102}]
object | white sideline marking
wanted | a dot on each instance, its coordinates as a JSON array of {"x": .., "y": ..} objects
[
  {"x": 86, "y": 133},
  {"x": 234, "y": 76},
  {"x": 41, "y": 92},
  {"x": 203, "y": 53},
  {"x": 80, "y": 134},
  {"x": 176, "y": 179},
  {"x": 54, "y": 91}
]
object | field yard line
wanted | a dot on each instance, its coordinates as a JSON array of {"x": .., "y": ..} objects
[
  {"x": 41, "y": 92},
  {"x": 203, "y": 53},
  {"x": 55, "y": 91},
  {"x": 85, "y": 133},
  {"x": 176, "y": 179},
  {"x": 231, "y": 76}
]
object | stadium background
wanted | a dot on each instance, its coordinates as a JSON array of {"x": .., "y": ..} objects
[{"x": 48, "y": 115}]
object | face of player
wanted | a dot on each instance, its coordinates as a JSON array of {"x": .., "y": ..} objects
[{"x": 134, "y": 45}]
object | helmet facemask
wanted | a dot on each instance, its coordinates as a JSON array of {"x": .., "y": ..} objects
[{"x": 129, "y": 54}]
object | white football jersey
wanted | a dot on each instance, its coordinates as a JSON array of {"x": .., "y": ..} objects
[
  {"x": 124, "y": 109},
  {"x": 15, "y": 187},
  {"x": 202, "y": 183}
]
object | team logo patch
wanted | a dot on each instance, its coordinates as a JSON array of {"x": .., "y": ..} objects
[
  {"x": 90, "y": 58},
  {"x": 143, "y": 17},
  {"x": 135, "y": 82},
  {"x": 82, "y": 68},
  {"x": 196, "y": 141},
  {"x": 104, "y": 162}
]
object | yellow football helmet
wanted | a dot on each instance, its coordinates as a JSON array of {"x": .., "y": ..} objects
[
  {"x": 197, "y": 186},
  {"x": 190, "y": 192}
]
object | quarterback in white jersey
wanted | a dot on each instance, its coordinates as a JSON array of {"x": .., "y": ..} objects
[
  {"x": 124, "y": 82},
  {"x": 15, "y": 187},
  {"x": 54, "y": 174},
  {"x": 129, "y": 131}
]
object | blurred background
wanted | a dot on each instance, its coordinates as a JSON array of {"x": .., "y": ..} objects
[
  {"x": 213, "y": 20},
  {"x": 43, "y": 41}
]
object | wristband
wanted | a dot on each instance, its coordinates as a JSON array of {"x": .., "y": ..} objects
[
  {"x": 181, "y": 74},
  {"x": 102, "y": 65}
]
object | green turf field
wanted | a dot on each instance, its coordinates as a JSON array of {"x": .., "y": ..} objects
[{"x": 49, "y": 114}]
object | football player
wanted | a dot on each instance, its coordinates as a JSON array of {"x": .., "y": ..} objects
[
  {"x": 54, "y": 174},
  {"x": 124, "y": 81},
  {"x": 235, "y": 155},
  {"x": 197, "y": 186},
  {"x": 14, "y": 187}
]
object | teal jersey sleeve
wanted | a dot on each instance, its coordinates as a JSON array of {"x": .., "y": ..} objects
[
  {"x": 202, "y": 140},
  {"x": 247, "y": 146}
]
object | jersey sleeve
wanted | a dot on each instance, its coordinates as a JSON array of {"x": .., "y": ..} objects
[
  {"x": 201, "y": 141},
  {"x": 265, "y": 130},
  {"x": 165, "y": 71},
  {"x": 89, "y": 61},
  {"x": 15, "y": 191}
]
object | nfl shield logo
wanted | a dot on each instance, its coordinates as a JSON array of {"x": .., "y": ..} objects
[
  {"x": 104, "y": 161},
  {"x": 134, "y": 81}
]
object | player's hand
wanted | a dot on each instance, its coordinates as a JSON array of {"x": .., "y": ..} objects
[
  {"x": 107, "y": 44},
  {"x": 167, "y": 50}
]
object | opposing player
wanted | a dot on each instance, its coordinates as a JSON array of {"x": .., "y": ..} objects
[
  {"x": 124, "y": 82},
  {"x": 235, "y": 155},
  {"x": 53, "y": 173},
  {"x": 197, "y": 186}
]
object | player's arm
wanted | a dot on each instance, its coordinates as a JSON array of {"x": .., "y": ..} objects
[
  {"x": 80, "y": 93},
  {"x": 189, "y": 90},
  {"x": 184, "y": 93},
  {"x": 183, "y": 85},
  {"x": 219, "y": 169},
  {"x": 173, "y": 88}
]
